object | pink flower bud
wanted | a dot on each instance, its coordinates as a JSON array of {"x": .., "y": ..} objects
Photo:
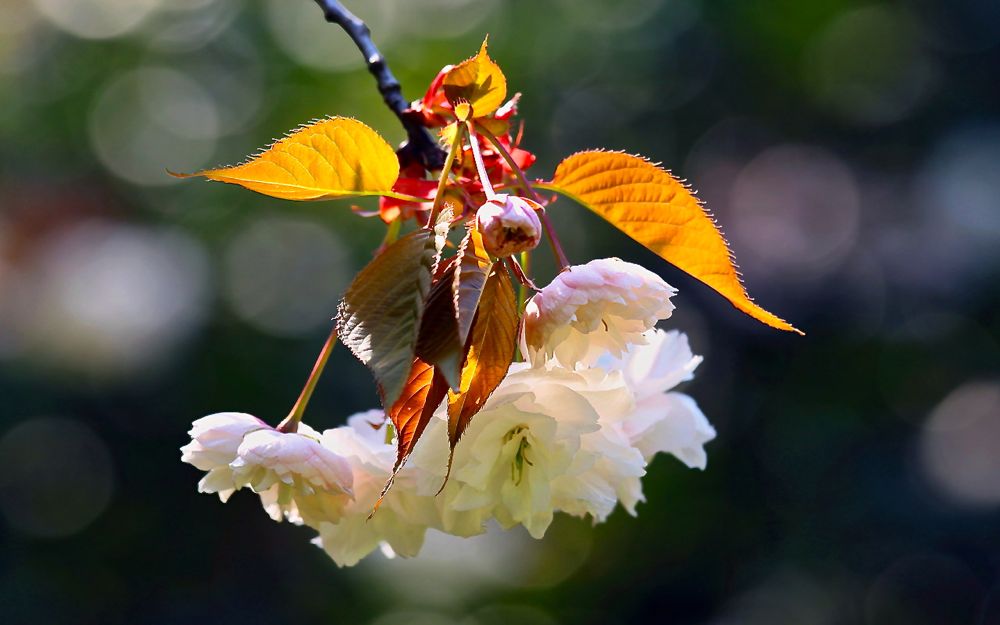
[{"x": 509, "y": 224}]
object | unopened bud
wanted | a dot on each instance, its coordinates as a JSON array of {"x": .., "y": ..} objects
[{"x": 509, "y": 224}]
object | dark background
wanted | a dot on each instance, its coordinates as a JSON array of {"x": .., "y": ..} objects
[{"x": 851, "y": 151}]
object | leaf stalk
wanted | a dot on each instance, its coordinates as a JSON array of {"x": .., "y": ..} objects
[
  {"x": 449, "y": 161},
  {"x": 291, "y": 422}
]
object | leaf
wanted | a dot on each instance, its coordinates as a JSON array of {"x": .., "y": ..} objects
[
  {"x": 478, "y": 81},
  {"x": 381, "y": 311},
  {"x": 489, "y": 352},
  {"x": 451, "y": 307},
  {"x": 473, "y": 269},
  {"x": 437, "y": 341},
  {"x": 422, "y": 394},
  {"x": 647, "y": 203},
  {"x": 327, "y": 159}
]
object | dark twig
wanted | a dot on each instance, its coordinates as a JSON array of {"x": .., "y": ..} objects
[{"x": 419, "y": 146}]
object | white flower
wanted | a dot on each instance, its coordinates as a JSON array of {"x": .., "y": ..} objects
[
  {"x": 589, "y": 310},
  {"x": 663, "y": 421},
  {"x": 215, "y": 440},
  {"x": 509, "y": 224},
  {"x": 612, "y": 474},
  {"x": 609, "y": 468},
  {"x": 550, "y": 439},
  {"x": 526, "y": 436},
  {"x": 403, "y": 517},
  {"x": 647, "y": 419},
  {"x": 297, "y": 478},
  {"x": 294, "y": 475}
]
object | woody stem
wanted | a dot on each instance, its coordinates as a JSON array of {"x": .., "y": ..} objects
[
  {"x": 291, "y": 422},
  {"x": 550, "y": 233},
  {"x": 484, "y": 177},
  {"x": 419, "y": 144}
]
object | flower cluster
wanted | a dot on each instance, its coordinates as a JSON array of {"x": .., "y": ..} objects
[{"x": 571, "y": 430}]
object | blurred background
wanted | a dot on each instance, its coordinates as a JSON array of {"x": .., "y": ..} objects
[{"x": 851, "y": 151}]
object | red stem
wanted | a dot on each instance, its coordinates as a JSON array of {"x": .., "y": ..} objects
[{"x": 550, "y": 232}]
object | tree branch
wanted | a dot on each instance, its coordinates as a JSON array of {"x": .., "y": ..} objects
[{"x": 419, "y": 146}]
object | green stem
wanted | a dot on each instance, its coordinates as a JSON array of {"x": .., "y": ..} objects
[
  {"x": 522, "y": 291},
  {"x": 403, "y": 196},
  {"x": 392, "y": 232},
  {"x": 550, "y": 233},
  {"x": 456, "y": 147},
  {"x": 291, "y": 422}
]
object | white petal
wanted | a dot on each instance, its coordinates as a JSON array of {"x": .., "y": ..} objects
[
  {"x": 602, "y": 306},
  {"x": 683, "y": 432}
]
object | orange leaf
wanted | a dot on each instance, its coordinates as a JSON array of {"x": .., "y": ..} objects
[
  {"x": 478, "y": 81},
  {"x": 327, "y": 159},
  {"x": 489, "y": 352},
  {"x": 647, "y": 203},
  {"x": 422, "y": 394}
]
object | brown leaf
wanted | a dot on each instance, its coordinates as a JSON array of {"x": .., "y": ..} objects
[
  {"x": 473, "y": 268},
  {"x": 422, "y": 394},
  {"x": 437, "y": 341},
  {"x": 489, "y": 352},
  {"x": 451, "y": 307},
  {"x": 381, "y": 312}
]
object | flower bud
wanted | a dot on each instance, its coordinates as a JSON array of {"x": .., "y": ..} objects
[{"x": 509, "y": 224}]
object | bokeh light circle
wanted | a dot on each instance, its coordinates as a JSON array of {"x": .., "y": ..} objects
[
  {"x": 796, "y": 208},
  {"x": 440, "y": 19},
  {"x": 108, "y": 299},
  {"x": 867, "y": 66},
  {"x": 150, "y": 120},
  {"x": 301, "y": 32},
  {"x": 923, "y": 589},
  {"x": 285, "y": 275},
  {"x": 960, "y": 444},
  {"x": 97, "y": 19},
  {"x": 960, "y": 182},
  {"x": 56, "y": 477}
]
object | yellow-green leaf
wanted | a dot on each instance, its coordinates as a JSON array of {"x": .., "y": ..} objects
[
  {"x": 327, "y": 159},
  {"x": 478, "y": 81},
  {"x": 647, "y": 203}
]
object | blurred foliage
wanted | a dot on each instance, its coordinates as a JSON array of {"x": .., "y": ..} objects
[{"x": 850, "y": 150}]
